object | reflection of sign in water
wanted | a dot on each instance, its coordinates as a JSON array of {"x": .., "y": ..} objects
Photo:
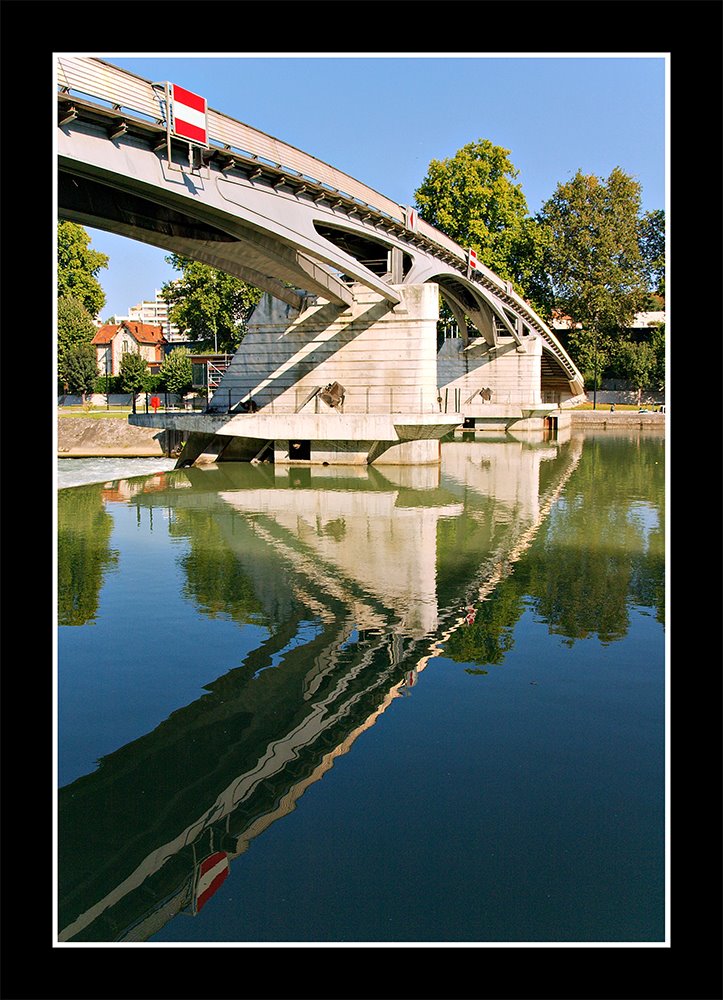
[
  {"x": 210, "y": 874},
  {"x": 372, "y": 560}
]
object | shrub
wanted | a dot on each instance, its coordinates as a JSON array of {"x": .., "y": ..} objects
[
  {"x": 111, "y": 384},
  {"x": 176, "y": 374}
]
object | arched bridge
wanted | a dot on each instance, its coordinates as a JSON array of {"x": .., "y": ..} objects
[{"x": 306, "y": 233}]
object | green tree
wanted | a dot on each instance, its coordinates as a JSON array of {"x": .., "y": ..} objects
[
  {"x": 657, "y": 342},
  {"x": 78, "y": 267},
  {"x": 637, "y": 360},
  {"x": 473, "y": 198},
  {"x": 651, "y": 239},
  {"x": 176, "y": 372},
  {"x": 133, "y": 374},
  {"x": 80, "y": 368},
  {"x": 75, "y": 326},
  {"x": 594, "y": 269},
  {"x": 209, "y": 306}
]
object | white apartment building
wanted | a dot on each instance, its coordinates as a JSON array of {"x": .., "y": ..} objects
[{"x": 154, "y": 312}]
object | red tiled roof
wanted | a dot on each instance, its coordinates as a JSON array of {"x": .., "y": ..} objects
[
  {"x": 105, "y": 334},
  {"x": 144, "y": 333}
]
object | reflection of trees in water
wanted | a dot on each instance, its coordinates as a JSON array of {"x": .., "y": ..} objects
[
  {"x": 602, "y": 551},
  {"x": 231, "y": 761},
  {"x": 215, "y": 579},
  {"x": 84, "y": 555}
]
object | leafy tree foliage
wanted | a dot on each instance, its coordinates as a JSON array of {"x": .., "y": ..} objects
[
  {"x": 652, "y": 250},
  {"x": 473, "y": 198},
  {"x": 209, "y": 306},
  {"x": 133, "y": 373},
  {"x": 75, "y": 326},
  {"x": 657, "y": 342},
  {"x": 637, "y": 360},
  {"x": 176, "y": 372},
  {"x": 78, "y": 267},
  {"x": 80, "y": 368},
  {"x": 594, "y": 269}
]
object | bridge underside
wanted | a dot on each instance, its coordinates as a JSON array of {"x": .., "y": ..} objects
[
  {"x": 353, "y": 294},
  {"x": 292, "y": 278}
]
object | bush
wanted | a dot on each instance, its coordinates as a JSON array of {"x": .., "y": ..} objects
[
  {"x": 112, "y": 382},
  {"x": 80, "y": 368},
  {"x": 133, "y": 372},
  {"x": 176, "y": 372}
]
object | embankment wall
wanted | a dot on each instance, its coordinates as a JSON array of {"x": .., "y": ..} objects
[{"x": 114, "y": 437}]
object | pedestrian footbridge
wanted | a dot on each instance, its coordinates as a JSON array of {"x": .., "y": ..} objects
[{"x": 342, "y": 361}]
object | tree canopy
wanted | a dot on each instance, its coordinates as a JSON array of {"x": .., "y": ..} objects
[
  {"x": 473, "y": 197},
  {"x": 209, "y": 306},
  {"x": 176, "y": 372},
  {"x": 134, "y": 372},
  {"x": 75, "y": 326},
  {"x": 79, "y": 369},
  {"x": 78, "y": 267},
  {"x": 652, "y": 250},
  {"x": 593, "y": 268}
]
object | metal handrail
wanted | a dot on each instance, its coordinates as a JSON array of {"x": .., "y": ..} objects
[{"x": 126, "y": 92}]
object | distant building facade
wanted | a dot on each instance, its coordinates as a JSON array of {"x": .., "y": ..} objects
[
  {"x": 155, "y": 312},
  {"x": 113, "y": 340},
  {"x": 641, "y": 321}
]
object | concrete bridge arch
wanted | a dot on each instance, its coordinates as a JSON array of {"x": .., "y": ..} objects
[{"x": 328, "y": 250}]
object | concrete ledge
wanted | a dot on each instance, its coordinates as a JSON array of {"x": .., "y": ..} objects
[
  {"x": 111, "y": 437},
  {"x": 620, "y": 418}
]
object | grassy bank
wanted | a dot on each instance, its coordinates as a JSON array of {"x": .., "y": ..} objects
[
  {"x": 78, "y": 411},
  {"x": 633, "y": 407}
]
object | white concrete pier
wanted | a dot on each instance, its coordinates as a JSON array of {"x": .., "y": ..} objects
[{"x": 383, "y": 357}]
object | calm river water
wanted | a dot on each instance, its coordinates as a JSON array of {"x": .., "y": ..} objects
[{"x": 392, "y": 705}]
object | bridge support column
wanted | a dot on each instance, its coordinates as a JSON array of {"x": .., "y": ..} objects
[{"x": 383, "y": 356}]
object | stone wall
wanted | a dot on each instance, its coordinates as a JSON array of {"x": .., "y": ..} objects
[{"x": 114, "y": 437}]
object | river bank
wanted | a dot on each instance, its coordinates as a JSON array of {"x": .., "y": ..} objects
[
  {"x": 113, "y": 437},
  {"x": 92, "y": 437}
]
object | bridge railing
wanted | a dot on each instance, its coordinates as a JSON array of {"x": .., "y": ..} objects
[
  {"x": 100, "y": 82},
  {"x": 97, "y": 80},
  {"x": 357, "y": 400}
]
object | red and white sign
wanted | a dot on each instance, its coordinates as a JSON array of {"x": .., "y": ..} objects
[
  {"x": 211, "y": 873},
  {"x": 411, "y": 217},
  {"x": 472, "y": 259},
  {"x": 189, "y": 115}
]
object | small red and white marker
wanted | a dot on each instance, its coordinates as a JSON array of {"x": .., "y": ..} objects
[
  {"x": 189, "y": 115},
  {"x": 411, "y": 217},
  {"x": 211, "y": 873},
  {"x": 472, "y": 259}
]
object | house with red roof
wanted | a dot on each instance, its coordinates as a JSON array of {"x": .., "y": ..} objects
[{"x": 113, "y": 340}]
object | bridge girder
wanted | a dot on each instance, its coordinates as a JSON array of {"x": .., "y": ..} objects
[{"x": 285, "y": 234}]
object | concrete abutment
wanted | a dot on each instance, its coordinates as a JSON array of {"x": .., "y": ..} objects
[{"x": 359, "y": 385}]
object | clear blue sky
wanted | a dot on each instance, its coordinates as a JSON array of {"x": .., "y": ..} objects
[{"x": 382, "y": 119}]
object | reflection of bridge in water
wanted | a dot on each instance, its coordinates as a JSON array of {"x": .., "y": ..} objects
[{"x": 361, "y": 575}]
